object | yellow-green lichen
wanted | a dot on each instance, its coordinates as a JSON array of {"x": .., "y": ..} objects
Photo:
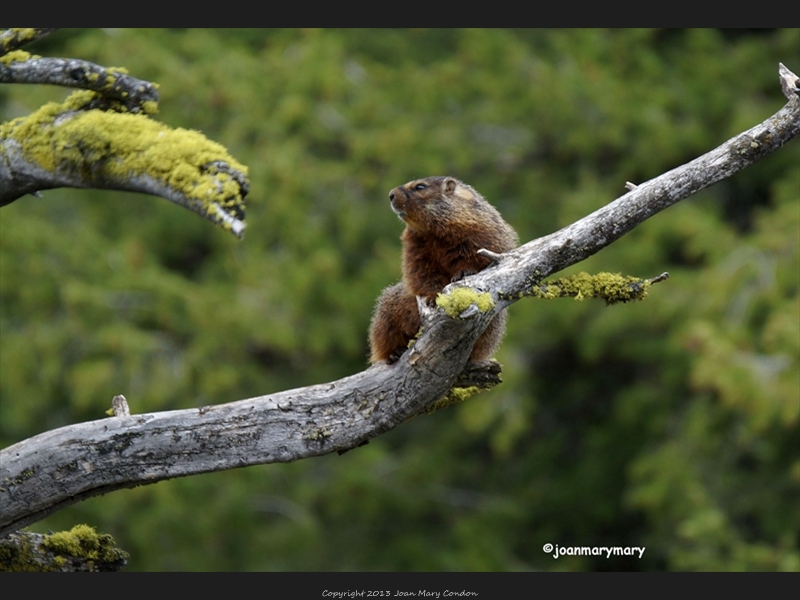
[
  {"x": 26, "y": 474},
  {"x": 414, "y": 340},
  {"x": 23, "y": 34},
  {"x": 17, "y": 56},
  {"x": 460, "y": 299},
  {"x": 150, "y": 107},
  {"x": 112, "y": 76},
  {"x": 612, "y": 287},
  {"x": 81, "y": 543},
  {"x": 317, "y": 434},
  {"x": 454, "y": 396},
  {"x": 107, "y": 145},
  {"x": 17, "y": 558}
]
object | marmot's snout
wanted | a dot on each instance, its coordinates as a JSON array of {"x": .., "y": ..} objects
[{"x": 398, "y": 201}]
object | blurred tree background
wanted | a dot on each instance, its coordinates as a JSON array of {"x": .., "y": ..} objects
[{"x": 670, "y": 423}]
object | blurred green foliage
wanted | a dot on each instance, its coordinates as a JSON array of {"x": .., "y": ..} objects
[{"x": 670, "y": 423}]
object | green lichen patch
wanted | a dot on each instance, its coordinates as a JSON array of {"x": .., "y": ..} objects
[
  {"x": 454, "y": 396},
  {"x": 80, "y": 549},
  {"x": 414, "y": 340},
  {"x": 460, "y": 299},
  {"x": 17, "y": 56},
  {"x": 17, "y": 557},
  {"x": 105, "y": 146},
  {"x": 317, "y": 434},
  {"x": 150, "y": 107},
  {"x": 83, "y": 542},
  {"x": 26, "y": 474},
  {"x": 611, "y": 287}
]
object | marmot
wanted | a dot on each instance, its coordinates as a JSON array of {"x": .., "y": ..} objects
[{"x": 447, "y": 222}]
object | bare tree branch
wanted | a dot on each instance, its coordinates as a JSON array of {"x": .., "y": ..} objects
[{"x": 57, "y": 468}]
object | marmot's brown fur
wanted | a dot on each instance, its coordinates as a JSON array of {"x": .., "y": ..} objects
[{"x": 447, "y": 222}]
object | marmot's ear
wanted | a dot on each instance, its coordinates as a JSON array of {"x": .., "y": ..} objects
[{"x": 456, "y": 189}]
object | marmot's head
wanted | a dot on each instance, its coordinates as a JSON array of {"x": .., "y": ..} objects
[{"x": 434, "y": 202}]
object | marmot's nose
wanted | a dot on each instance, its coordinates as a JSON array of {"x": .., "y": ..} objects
[{"x": 391, "y": 196}]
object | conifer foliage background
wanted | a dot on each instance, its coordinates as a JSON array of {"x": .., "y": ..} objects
[{"x": 670, "y": 424}]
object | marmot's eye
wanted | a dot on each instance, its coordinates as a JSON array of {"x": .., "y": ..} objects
[{"x": 420, "y": 186}]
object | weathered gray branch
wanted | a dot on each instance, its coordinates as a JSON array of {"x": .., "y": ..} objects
[{"x": 57, "y": 468}]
